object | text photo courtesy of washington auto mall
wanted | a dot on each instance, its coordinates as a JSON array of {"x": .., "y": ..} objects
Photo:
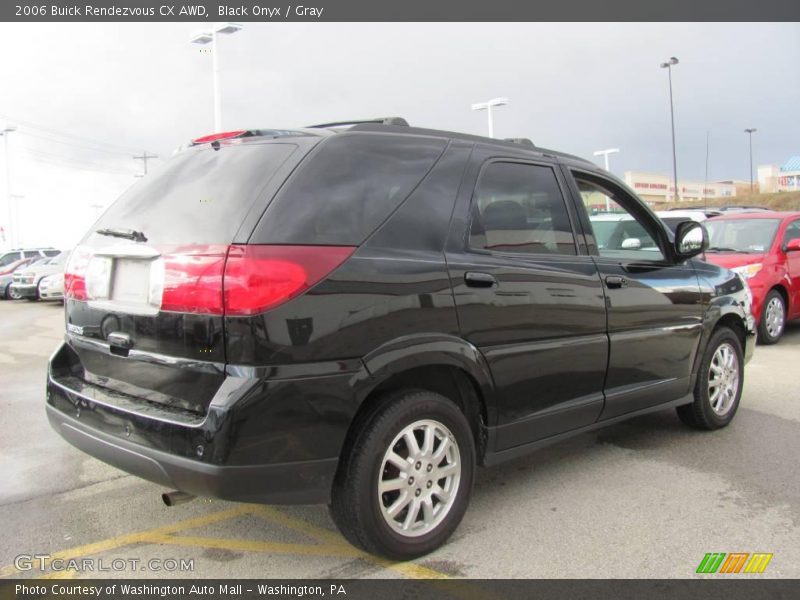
[{"x": 368, "y": 299}]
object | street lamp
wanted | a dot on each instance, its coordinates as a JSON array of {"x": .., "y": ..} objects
[
  {"x": 206, "y": 37},
  {"x": 668, "y": 66},
  {"x": 749, "y": 133},
  {"x": 487, "y": 106},
  {"x": 605, "y": 154},
  {"x": 12, "y": 235}
]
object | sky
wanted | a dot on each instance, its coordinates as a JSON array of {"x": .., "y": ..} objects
[{"x": 86, "y": 98}]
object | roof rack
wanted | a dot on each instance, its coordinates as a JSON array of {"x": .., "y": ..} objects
[
  {"x": 396, "y": 121},
  {"x": 523, "y": 141}
]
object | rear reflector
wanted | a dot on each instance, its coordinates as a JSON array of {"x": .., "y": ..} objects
[
  {"x": 217, "y": 279},
  {"x": 258, "y": 278}
]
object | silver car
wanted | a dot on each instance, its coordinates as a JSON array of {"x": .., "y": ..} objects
[{"x": 26, "y": 282}]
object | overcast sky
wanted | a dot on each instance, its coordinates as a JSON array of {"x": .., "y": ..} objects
[{"x": 119, "y": 89}]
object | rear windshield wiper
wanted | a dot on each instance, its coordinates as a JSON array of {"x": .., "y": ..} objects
[
  {"x": 723, "y": 249},
  {"x": 128, "y": 234}
]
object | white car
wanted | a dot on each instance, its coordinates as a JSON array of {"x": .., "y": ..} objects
[
  {"x": 52, "y": 287},
  {"x": 673, "y": 217}
]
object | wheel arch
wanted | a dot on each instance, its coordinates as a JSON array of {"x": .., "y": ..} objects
[{"x": 446, "y": 365}]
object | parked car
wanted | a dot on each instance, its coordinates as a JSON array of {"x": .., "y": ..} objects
[
  {"x": 673, "y": 218},
  {"x": 51, "y": 287},
  {"x": 764, "y": 247},
  {"x": 10, "y": 256},
  {"x": 707, "y": 211},
  {"x": 619, "y": 231},
  {"x": 7, "y": 274},
  {"x": 26, "y": 282},
  {"x": 360, "y": 316}
]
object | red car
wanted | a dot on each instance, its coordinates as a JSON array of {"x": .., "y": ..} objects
[{"x": 764, "y": 248}]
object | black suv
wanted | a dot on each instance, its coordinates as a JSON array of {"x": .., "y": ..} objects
[{"x": 359, "y": 315}]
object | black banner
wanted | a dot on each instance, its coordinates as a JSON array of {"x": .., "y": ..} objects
[
  {"x": 399, "y": 10},
  {"x": 366, "y": 589}
]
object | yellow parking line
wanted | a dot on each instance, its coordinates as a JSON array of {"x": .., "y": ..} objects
[
  {"x": 408, "y": 569},
  {"x": 137, "y": 537},
  {"x": 251, "y": 545}
]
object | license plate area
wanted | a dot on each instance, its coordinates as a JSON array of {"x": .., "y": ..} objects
[
  {"x": 130, "y": 282},
  {"x": 123, "y": 280}
]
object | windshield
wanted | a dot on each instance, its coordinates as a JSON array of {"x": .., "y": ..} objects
[{"x": 741, "y": 235}]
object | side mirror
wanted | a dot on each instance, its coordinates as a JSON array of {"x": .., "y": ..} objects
[
  {"x": 792, "y": 245},
  {"x": 690, "y": 239},
  {"x": 631, "y": 244}
]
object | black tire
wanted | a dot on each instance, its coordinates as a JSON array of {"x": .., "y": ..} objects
[
  {"x": 12, "y": 295},
  {"x": 764, "y": 335},
  {"x": 700, "y": 414},
  {"x": 356, "y": 507},
  {"x": 7, "y": 292}
]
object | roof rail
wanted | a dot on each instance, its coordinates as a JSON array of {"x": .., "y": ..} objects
[
  {"x": 523, "y": 141},
  {"x": 397, "y": 121}
]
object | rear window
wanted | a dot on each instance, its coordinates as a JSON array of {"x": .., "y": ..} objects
[
  {"x": 342, "y": 192},
  {"x": 200, "y": 196}
]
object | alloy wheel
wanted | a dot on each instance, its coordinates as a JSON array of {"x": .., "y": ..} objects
[
  {"x": 723, "y": 379},
  {"x": 419, "y": 478}
]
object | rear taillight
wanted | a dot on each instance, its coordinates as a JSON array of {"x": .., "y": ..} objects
[
  {"x": 258, "y": 278},
  {"x": 75, "y": 273},
  {"x": 191, "y": 280},
  {"x": 217, "y": 279}
]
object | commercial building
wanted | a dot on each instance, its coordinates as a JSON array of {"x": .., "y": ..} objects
[
  {"x": 784, "y": 178},
  {"x": 658, "y": 188}
]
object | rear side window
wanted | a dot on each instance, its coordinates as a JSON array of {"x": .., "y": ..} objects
[
  {"x": 519, "y": 208},
  {"x": 342, "y": 192},
  {"x": 200, "y": 196}
]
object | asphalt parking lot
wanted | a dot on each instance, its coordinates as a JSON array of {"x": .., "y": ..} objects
[{"x": 648, "y": 498}]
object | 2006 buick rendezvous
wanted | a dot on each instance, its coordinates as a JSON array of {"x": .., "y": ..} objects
[{"x": 360, "y": 314}]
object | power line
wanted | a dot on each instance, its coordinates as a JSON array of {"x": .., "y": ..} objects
[{"x": 118, "y": 148}]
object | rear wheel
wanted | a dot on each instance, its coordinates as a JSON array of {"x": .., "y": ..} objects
[
  {"x": 773, "y": 318},
  {"x": 405, "y": 484},
  {"x": 719, "y": 383}
]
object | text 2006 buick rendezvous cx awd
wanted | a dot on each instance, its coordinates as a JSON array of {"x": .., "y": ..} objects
[{"x": 360, "y": 314}]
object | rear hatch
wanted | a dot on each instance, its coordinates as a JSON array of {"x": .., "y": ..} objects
[{"x": 144, "y": 289}]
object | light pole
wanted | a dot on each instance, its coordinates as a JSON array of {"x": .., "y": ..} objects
[
  {"x": 12, "y": 229},
  {"x": 749, "y": 133},
  {"x": 668, "y": 66},
  {"x": 487, "y": 106},
  {"x": 210, "y": 36},
  {"x": 605, "y": 154}
]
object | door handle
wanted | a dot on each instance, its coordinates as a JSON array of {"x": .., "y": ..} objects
[
  {"x": 616, "y": 282},
  {"x": 479, "y": 280}
]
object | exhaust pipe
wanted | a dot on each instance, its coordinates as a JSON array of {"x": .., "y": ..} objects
[{"x": 176, "y": 497}]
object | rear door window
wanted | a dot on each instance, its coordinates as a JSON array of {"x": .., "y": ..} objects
[
  {"x": 200, "y": 196},
  {"x": 519, "y": 208},
  {"x": 344, "y": 190}
]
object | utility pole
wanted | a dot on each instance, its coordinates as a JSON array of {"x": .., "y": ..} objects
[
  {"x": 705, "y": 181},
  {"x": 750, "y": 132},
  {"x": 144, "y": 158},
  {"x": 668, "y": 66}
]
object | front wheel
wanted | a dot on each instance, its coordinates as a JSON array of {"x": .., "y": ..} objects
[
  {"x": 405, "y": 483},
  {"x": 13, "y": 294},
  {"x": 773, "y": 318},
  {"x": 719, "y": 383}
]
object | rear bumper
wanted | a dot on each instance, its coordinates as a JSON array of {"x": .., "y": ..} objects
[
  {"x": 262, "y": 439},
  {"x": 304, "y": 482}
]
